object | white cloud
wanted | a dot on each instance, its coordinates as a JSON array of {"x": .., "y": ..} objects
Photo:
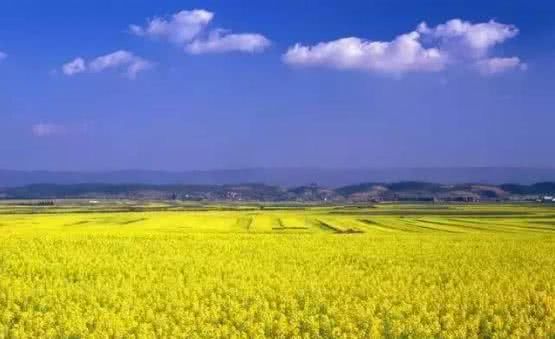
[
  {"x": 133, "y": 63},
  {"x": 426, "y": 49},
  {"x": 119, "y": 59},
  {"x": 404, "y": 54},
  {"x": 47, "y": 129},
  {"x": 180, "y": 28},
  {"x": 468, "y": 39},
  {"x": 494, "y": 66},
  {"x": 3, "y": 55},
  {"x": 138, "y": 65},
  {"x": 190, "y": 30},
  {"x": 74, "y": 67},
  {"x": 111, "y": 60},
  {"x": 219, "y": 41}
]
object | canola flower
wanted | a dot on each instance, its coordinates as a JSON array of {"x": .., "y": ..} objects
[{"x": 275, "y": 274}]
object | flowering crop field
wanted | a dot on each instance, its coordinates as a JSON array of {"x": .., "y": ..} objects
[{"x": 170, "y": 270}]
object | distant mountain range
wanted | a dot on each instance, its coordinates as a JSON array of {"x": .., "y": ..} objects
[
  {"x": 365, "y": 192},
  {"x": 286, "y": 177}
]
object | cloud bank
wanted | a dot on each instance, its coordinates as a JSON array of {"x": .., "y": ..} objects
[
  {"x": 189, "y": 29},
  {"x": 131, "y": 63},
  {"x": 425, "y": 49}
]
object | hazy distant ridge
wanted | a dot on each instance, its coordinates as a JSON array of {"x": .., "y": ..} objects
[{"x": 285, "y": 176}]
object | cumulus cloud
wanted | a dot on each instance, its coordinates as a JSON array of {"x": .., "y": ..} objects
[
  {"x": 425, "y": 49},
  {"x": 74, "y": 67},
  {"x": 404, "y": 54},
  {"x": 468, "y": 39},
  {"x": 220, "y": 41},
  {"x": 131, "y": 62},
  {"x": 179, "y": 28},
  {"x": 190, "y": 30},
  {"x": 120, "y": 59},
  {"x": 47, "y": 129},
  {"x": 494, "y": 66}
]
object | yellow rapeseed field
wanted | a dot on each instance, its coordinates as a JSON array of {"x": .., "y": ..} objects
[{"x": 417, "y": 271}]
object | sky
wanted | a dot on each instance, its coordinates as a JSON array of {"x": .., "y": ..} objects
[{"x": 181, "y": 85}]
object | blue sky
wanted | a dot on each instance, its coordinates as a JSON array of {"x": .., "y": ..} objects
[{"x": 225, "y": 87}]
